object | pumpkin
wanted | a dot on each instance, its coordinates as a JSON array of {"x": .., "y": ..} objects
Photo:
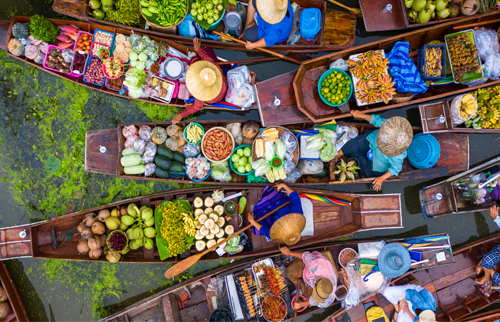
[
  {"x": 21, "y": 30},
  {"x": 172, "y": 130},
  {"x": 158, "y": 135},
  {"x": 15, "y": 46}
]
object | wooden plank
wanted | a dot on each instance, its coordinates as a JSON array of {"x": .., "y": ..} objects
[
  {"x": 95, "y": 160},
  {"x": 376, "y": 20},
  {"x": 167, "y": 309},
  {"x": 326, "y": 216},
  {"x": 199, "y": 312},
  {"x": 377, "y": 202},
  {"x": 339, "y": 30},
  {"x": 454, "y": 151}
]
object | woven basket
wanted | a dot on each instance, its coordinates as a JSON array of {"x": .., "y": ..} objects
[
  {"x": 402, "y": 97},
  {"x": 170, "y": 29}
]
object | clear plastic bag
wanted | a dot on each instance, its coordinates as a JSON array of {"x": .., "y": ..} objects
[
  {"x": 150, "y": 150},
  {"x": 292, "y": 177},
  {"x": 140, "y": 146},
  {"x": 148, "y": 158},
  {"x": 269, "y": 152},
  {"x": 39, "y": 57},
  {"x": 148, "y": 63},
  {"x": 486, "y": 42},
  {"x": 290, "y": 142},
  {"x": 476, "y": 82},
  {"x": 242, "y": 97},
  {"x": 295, "y": 33},
  {"x": 492, "y": 66},
  {"x": 307, "y": 166},
  {"x": 149, "y": 169},
  {"x": 145, "y": 132},
  {"x": 129, "y": 143},
  {"x": 289, "y": 167},
  {"x": 235, "y": 129},
  {"x": 220, "y": 171},
  {"x": 190, "y": 151},
  {"x": 238, "y": 76},
  {"x": 340, "y": 64},
  {"x": 289, "y": 156},
  {"x": 129, "y": 130},
  {"x": 134, "y": 39},
  {"x": 455, "y": 110},
  {"x": 68, "y": 55},
  {"x": 261, "y": 167}
]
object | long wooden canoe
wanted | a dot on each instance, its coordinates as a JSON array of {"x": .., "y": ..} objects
[
  {"x": 17, "y": 314},
  {"x": 338, "y": 28},
  {"x": 90, "y": 27},
  {"x": 163, "y": 306},
  {"x": 454, "y": 157},
  {"x": 366, "y": 212},
  {"x": 451, "y": 201},
  {"x": 489, "y": 316},
  {"x": 305, "y": 82},
  {"x": 452, "y": 286}
]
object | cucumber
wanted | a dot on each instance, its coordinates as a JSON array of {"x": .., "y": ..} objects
[
  {"x": 160, "y": 173},
  {"x": 164, "y": 152},
  {"x": 146, "y": 12},
  {"x": 176, "y": 167},
  {"x": 135, "y": 169},
  {"x": 163, "y": 162},
  {"x": 321, "y": 174},
  {"x": 129, "y": 151},
  {"x": 131, "y": 160},
  {"x": 179, "y": 157}
]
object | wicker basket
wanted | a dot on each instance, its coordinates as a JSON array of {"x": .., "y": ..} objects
[
  {"x": 170, "y": 29},
  {"x": 402, "y": 97}
]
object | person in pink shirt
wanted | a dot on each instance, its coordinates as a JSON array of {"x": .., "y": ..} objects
[{"x": 318, "y": 274}]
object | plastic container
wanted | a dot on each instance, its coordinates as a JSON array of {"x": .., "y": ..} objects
[
  {"x": 266, "y": 261},
  {"x": 200, "y": 180},
  {"x": 216, "y": 24},
  {"x": 303, "y": 152},
  {"x": 424, "y": 151},
  {"x": 108, "y": 32},
  {"x": 325, "y": 75},
  {"x": 341, "y": 263},
  {"x": 89, "y": 58},
  {"x": 114, "y": 46},
  {"x": 92, "y": 47},
  {"x": 106, "y": 74},
  {"x": 185, "y": 133},
  {"x": 421, "y": 62},
  {"x": 72, "y": 63},
  {"x": 231, "y": 160},
  {"x": 79, "y": 34},
  {"x": 173, "y": 61},
  {"x": 310, "y": 23},
  {"x": 277, "y": 167},
  {"x": 467, "y": 76},
  {"x": 56, "y": 70},
  {"x": 113, "y": 89},
  {"x": 301, "y": 298}
]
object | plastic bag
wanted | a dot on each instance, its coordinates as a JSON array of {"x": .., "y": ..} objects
[
  {"x": 129, "y": 143},
  {"x": 140, "y": 146},
  {"x": 344, "y": 134},
  {"x": 476, "y": 82},
  {"x": 455, "y": 110},
  {"x": 129, "y": 130},
  {"x": 292, "y": 177},
  {"x": 235, "y": 129},
  {"x": 492, "y": 66},
  {"x": 40, "y": 57},
  {"x": 486, "y": 42},
  {"x": 289, "y": 156},
  {"x": 328, "y": 152},
  {"x": 148, "y": 158},
  {"x": 191, "y": 150},
  {"x": 149, "y": 170},
  {"x": 238, "y": 76},
  {"x": 148, "y": 63},
  {"x": 261, "y": 167},
  {"x": 134, "y": 39},
  {"x": 290, "y": 142},
  {"x": 190, "y": 28},
  {"x": 242, "y": 97},
  {"x": 340, "y": 64},
  {"x": 295, "y": 33},
  {"x": 150, "y": 149},
  {"x": 308, "y": 166},
  {"x": 269, "y": 152},
  {"x": 68, "y": 55},
  {"x": 220, "y": 171},
  {"x": 145, "y": 132},
  {"x": 280, "y": 149}
]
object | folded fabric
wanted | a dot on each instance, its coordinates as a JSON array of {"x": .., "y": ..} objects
[{"x": 403, "y": 70}]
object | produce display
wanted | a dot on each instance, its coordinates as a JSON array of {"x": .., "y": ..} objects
[
  {"x": 55, "y": 60},
  {"x": 423, "y": 11},
  {"x": 125, "y": 12},
  {"x": 433, "y": 62},
  {"x": 99, "y": 50},
  {"x": 193, "y": 133},
  {"x": 346, "y": 170},
  {"x": 372, "y": 81},
  {"x": 94, "y": 73},
  {"x": 79, "y": 62},
  {"x": 164, "y": 12},
  {"x": 83, "y": 42},
  {"x": 122, "y": 48},
  {"x": 242, "y": 159},
  {"x": 208, "y": 11},
  {"x": 67, "y": 37},
  {"x": 468, "y": 106},
  {"x": 197, "y": 168},
  {"x": 336, "y": 88},
  {"x": 42, "y": 29},
  {"x": 488, "y": 104},
  {"x": 113, "y": 68},
  {"x": 324, "y": 142},
  {"x": 102, "y": 37},
  {"x": 463, "y": 54},
  {"x": 217, "y": 144}
]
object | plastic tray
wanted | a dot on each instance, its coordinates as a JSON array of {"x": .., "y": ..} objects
[
  {"x": 78, "y": 37},
  {"x": 53, "y": 69},
  {"x": 312, "y": 155},
  {"x": 174, "y": 91},
  {"x": 266, "y": 261},
  {"x": 421, "y": 62},
  {"x": 108, "y": 32},
  {"x": 71, "y": 68},
  {"x": 116, "y": 90},
  {"x": 477, "y": 75},
  {"x": 89, "y": 58},
  {"x": 114, "y": 45},
  {"x": 92, "y": 47}
]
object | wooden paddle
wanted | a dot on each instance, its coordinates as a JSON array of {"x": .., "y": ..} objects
[
  {"x": 296, "y": 300},
  {"x": 191, "y": 260},
  {"x": 261, "y": 49},
  {"x": 354, "y": 11}
]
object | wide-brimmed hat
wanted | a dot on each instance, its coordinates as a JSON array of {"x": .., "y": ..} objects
[
  {"x": 272, "y": 11},
  {"x": 204, "y": 80},
  {"x": 322, "y": 290},
  {"x": 394, "y": 260},
  {"x": 427, "y": 316},
  {"x": 287, "y": 229},
  {"x": 394, "y": 136}
]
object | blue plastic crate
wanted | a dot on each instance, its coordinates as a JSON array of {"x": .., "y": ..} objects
[
  {"x": 112, "y": 39},
  {"x": 298, "y": 135},
  {"x": 89, "y": 58},
  {"x": 421, "y": 62}
]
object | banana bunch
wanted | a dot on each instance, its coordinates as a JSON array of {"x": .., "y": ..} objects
[
  {"x": 468, "y": 106},
  {"x": 488, "y": 110},
  {"x": 189, "y": 224}
]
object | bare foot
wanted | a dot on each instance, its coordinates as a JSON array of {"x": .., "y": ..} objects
[
  {"x": 479, "y": 268},
  {"x": 488, "y": 273}
]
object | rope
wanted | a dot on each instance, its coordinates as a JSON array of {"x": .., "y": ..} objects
[
  {"x": 64, "y": 237},
  {"x": 344, "y": 318},
  {"x": 325, "y": 199}
]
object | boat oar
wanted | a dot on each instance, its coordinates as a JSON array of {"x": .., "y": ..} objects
[
  {"x": 261, "y": 49},
  {"x": 354, "y": 11},
  {"x": 191, "y": 260},
  {"x": 296, "y": 300}
]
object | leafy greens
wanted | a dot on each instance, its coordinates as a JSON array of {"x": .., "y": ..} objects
[{"x": 43, "y": 29}]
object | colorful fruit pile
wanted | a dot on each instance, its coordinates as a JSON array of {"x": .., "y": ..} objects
[
  {"x": 421, "y": 11},
  {"x": 488, "y": 115},
  {"x": 336, "y": 88}
]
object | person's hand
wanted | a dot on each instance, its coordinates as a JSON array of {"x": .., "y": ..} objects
[
  {"x": 242, "y": 34},
  {"x": 177, "y": 119},
  {"x": 251, "y": 219},
  {"x": 300, "y": 304},
  {"x": 396, "y": 307},
  {"x": 358, "y": 114},
  {"x": 403, "y": 305},
  {"x": 249, "y": 45},
  {"x": 285, "y": 250},
  {"x": 377, "y": 183},
  {"x": 494, "y": 211},
  {"x": 196, "y": 44},
  {"x": 280, "y": 186}
]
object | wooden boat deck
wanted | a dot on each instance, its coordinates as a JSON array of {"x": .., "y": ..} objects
[
  {"x": 452, "y": 286},
  {"x": 338, "y": 28},
  {"x": 366, "y": 212},
  {"x": 18, "y": 314}
]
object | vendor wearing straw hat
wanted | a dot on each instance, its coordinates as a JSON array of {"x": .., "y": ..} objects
[
  {"x": 388, "y": 147},
  {"x": 286, "y": 225},
  {"x": 318, "y": 274},
  {"x": 268, "y": 22},
  {"x": 205, "y": 81}
]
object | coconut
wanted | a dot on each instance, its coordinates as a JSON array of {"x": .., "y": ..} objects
[
  {"x": 132, "y": 210},
  {"x": 116, "y": 213},
  {"x": 454, "y": 10},
  {"x": 123, "y": 227},
  {"x": 209, "y": 223},
  {"x": 431, "y": 5},
  {"x": 98, "y": 228},
  {"x": 198, "y": 202},
  {"x": 424, "y": 16},
  {"x": 210, "y": 236},
  {"x": 441, "y": 4},
  {"x": 86, "y": 233},
  {"x": 127, "y": 220},
  {"x": 204, "y": 231},
  {"x": 80, "y": 227},
  {"x": 208, "y": 210},
  {"x": 470, "y": 7},
  {"x": 82, "y": 247},
  {"x": 149, "y": 232},
  {"x": 202, "y": 219},
  {"x": 250, "y": 130},
  {"x": 418, "y": 5},
  {"x": 103, "y": 214},
  {"x": 229, "y": 229},
  {"x": 443, "y": 13},
  {"x": 214, "y": 216},
  {"x": 408, "y": 4},
  {"x": 221, "y": 221},
  {"x": 123, "y": 211},
  {"x": 211, "y": 243},
  {"x": 89, "y": 219},
  {"x": 148, "y": 243},
  {"x": 94, "y": 242},
  {"x": 5, "y": 309},
  {"x": 220, "y": 234},
  {"x": 112, "y": 223},
  {"x": 113, "y": 257},
  {"x": 215, "y": 229},
  {"x": 200, "y": 245},
  {"x": 95, "y": 253},
  {"x": 104, "y": 238},
  {"x": 3, "y": 295},
  {"x": 209, "y": 202},
  {"x": 219, "y": 209},
  {"x": 198, "y": 212}
]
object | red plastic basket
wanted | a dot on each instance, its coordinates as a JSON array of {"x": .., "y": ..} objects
[{"x": 106, "y": 74}]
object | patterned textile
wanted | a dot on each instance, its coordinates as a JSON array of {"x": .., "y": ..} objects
[
  {"x": 357, "y": 148},
  {"x": 198, "y": 105},
  {"x": 318, "y": 266},
  {"x": 403, "y": 70},
  {"x": 485, "y": 288},
  {"x": 269, "y": 200},
  {"x": 294, "y": 271},
  {"x": 490, "y": 260}
]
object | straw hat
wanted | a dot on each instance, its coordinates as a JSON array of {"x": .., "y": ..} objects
[
  {"x": 427, "y": 316},
  {"x": 272, "y": 11},
  {"x": 287, "y": 229},
  {"x": 204, "y": 80},
  {"x": 322, "y": 290},
  {"x": 394, "y": 136},
  {"x": 394, "y": 260}
]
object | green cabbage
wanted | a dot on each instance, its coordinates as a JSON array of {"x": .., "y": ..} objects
[
  {"x": 269, "y": 151},
  {"x": 315, "y": 142},
  {"x": 328, "y": 152},
  {"x": 280, "y": 149},
  {"x": 261, "y": 167},
  {"x": 135, "y": 80}
]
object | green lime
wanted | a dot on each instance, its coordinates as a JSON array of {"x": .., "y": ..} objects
[{"x": 339, "y": 75}]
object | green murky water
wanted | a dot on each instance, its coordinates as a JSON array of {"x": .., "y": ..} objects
[{"x": 43, "y": 116}]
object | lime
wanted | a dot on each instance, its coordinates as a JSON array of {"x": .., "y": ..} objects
[
  {"x": 339, "y": 75},
  {"x": 247, "y": 151},
  {"x": 325, "y": 90},
  {"x": 235, "y": 158},
  {"x": 248, "y": 167},
  {"x": 242, "y": 169},
  {"x": 249, "y": 159},
  {"x": 243, "y": 160},
  {"x": 240, "y": 152}
]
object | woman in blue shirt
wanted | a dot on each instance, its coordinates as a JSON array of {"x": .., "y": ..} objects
[
  {"x": 388, "y": 145},
  {"x": 268, "y": 22},
  {"x": 295, "y": 206}
]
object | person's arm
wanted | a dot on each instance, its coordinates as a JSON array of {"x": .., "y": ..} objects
[
  {"x": 300, "y": 304},
  {"x": 286, "y": 251},
  {"x": 203, "y": 55},
  {"x": 196, "y": 107},
  {"x": 494, "y": 215},
  {"x": 360, "y": 115},
  {"x": 377, "y": 183},
  {"x": 280, "y": 186},
  {"x": 403, "y": 307},
  {"x": 250, "y": 17},
  {"x": 261, "y": 43}
]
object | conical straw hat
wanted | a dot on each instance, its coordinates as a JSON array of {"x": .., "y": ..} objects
[
  {"x": 204, "y": 80},
  {"x": 272, "y": 11},
  {"x": 287, "y": 229},
  {"x": 394, "y": 136}
]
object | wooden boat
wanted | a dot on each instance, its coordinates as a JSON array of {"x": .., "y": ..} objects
[
  {"x": 454, "y": 157},
  {"x": 90, "y": 27},
  {"x": 489, "y": 316},
  {"x": 305, "y": 82},
  {"x": 17, "y": 314},
  {"x": 452, "y": 202},
  {"x": 163, "y": 306},
  {"x": 452, "y": 286},
  {"x": 39, "y": 240},
  {"x": 376, "y": 20},
  {"x": 338, "y": 28},
  {"x": 430, "y": 114}
]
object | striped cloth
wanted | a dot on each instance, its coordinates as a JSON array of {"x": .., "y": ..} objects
[
  {"x": 403, "y": 70},
  {"x": 269, "y": 200}
]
